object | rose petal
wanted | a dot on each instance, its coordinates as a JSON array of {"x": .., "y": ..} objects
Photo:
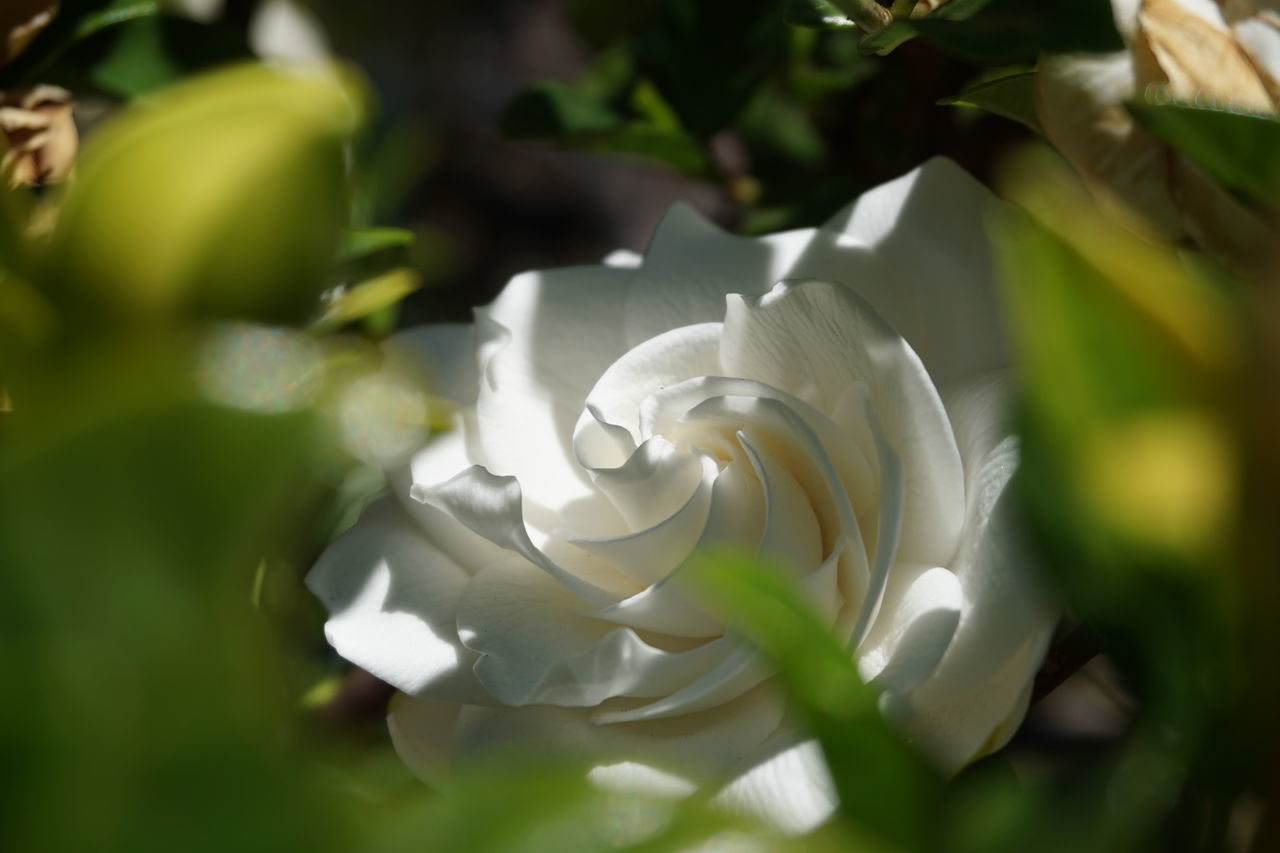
[
  {"x": 391, "y": 597},
  {"x": 741, "y": 670},
  {"x": 491, "y": 506},
  {"x": 735, "y": 516},
  {"x": 791, "y": 531},
  {"x": 669, "y": 358},
  {"x": 974, "y": 697},
  {"x": 929, "y": 227},
  {"x": 650, "y": 554},
  {"x": 701, "y": 746},
  {"x": 918, "y": 618},
  {"x": 422, "y": 733},
  {"x": 786, "y": 784},
  {"x": 444, "y": 354},
  {"x": 656, "y": 478},
  {"x": 441, "y": 459},
  {"x": 542, "y": 344},
  {"x": 955, "y": 727},
  {"x": 819, "y": 340}
]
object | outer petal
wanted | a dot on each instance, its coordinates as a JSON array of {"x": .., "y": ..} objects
[
  {"x": 978, "y": 692},
  {"x": 444, "y": 354},
  {"x": 541, "y": 345},
  {"x": 957, "y": 727},
  {"x": 929, "y": 226},
  {"x": 917, "y": 621},
  {"x": 786, "y": 784},
  {"x": 440, "y": 460},
  {"x": 391, "y": 596},
  {"x": 493, "y": 508},
  {"x": 916, "y": 248},
  {"x": 704, "y": 747},
  {"x": 422, "y": 733}
]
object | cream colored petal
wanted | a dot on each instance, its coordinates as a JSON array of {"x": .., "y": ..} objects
[
  {"x": 392, "y": 600},
  {"x": 1199, "y": 55}
]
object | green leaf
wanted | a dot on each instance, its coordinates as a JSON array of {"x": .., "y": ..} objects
[
  {"x": 1011, "y": 96},
  {"x": 553, "y": 110},
  {"x": 368, "y": 297},
  {"x": 709, "y": 58},
  {"x": 897, "y": 803},
  {"x": 1003, "y": 32},
  {"x": 1128, "y": 463},
  {"x": 885, "y": 41},
  {"x": 817, "y": 15},
  {"x": 558, "y": 113},
  {"x": 361, "y": 242},
  {"x": 159, "y": 685},
  {"x": 1242, "y": 150},
  {"x": 1006, "y": 32}
]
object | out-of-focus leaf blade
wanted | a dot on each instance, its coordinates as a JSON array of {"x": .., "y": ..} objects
[
  {"x": 368, "y": 297},
  {"x": 894, "y": 805},
  {"x": 362, "y": 242},
  {"x": 1128, "y": 465},
  {"x": 552, "y": 110},
  {"x": 1011, "y": 97},
  {"x": 154, "y": 688},
  {"x": 557, "y": 113}
]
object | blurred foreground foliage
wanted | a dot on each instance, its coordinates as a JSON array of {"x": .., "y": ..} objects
[{"x": 186, "y": 416}]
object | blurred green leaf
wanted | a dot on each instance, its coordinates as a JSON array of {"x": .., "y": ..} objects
[
  {"x": 1242, "y": 150},
  {"x": 225, "y": 196},
  {"x": 151, "y": 708},
  {"x": 362, "y": 242},
  {"x": 558, "y": 113},
  {"x": 368, "y": 297},
  {"x": 1128, "y": 463},
  {"x": 896, "y": 804},
  {"x": 1011, "y": 96},
  {"x": 553, "y": 110},
  {"x": 817, "y": 14},
  {"x": 708, "y": 58}
]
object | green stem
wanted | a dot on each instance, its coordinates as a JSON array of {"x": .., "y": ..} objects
[{"x": 867, "y": 14}]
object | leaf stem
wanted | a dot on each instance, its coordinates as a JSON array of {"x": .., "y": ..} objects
[{"x": 867, "y": 14}]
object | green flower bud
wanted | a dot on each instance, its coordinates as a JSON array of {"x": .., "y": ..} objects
[{"x": 223, "y": 196}]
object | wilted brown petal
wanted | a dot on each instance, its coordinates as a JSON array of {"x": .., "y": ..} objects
[
  {"x": 1079, "y": 102},
  {"x": 1199, "y": 57},
  {"x": 39, "y": 135}
]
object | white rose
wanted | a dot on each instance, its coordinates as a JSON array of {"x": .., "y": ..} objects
[{"x": 523, "y": 581}]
